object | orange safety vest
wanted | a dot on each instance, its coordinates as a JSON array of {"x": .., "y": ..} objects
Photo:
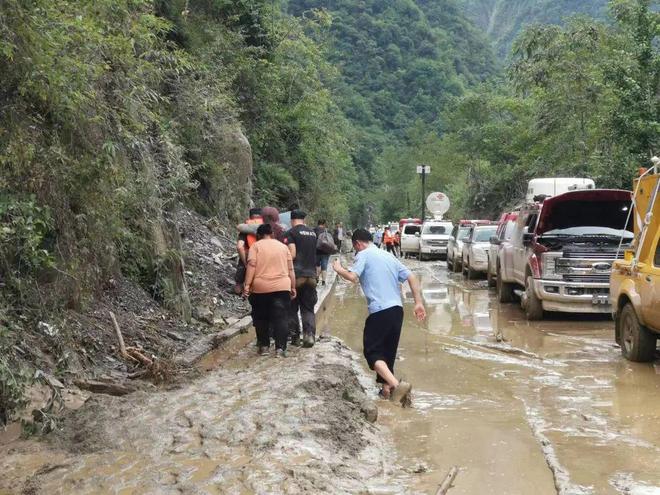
[
  {"x": 388, "y": 238},
  {"x": 252, "y": 238}
]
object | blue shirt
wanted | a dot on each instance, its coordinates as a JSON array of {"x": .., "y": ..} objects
[{"x": 380, "y": 277}]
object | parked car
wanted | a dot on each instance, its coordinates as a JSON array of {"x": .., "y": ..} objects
[
  {"x": 455, "y": 243},
  {"x": 474, "y": 258},
  {"x": 434, "y": 238},
  {"x": 635, "y": 281},
  {"x": 561, "y": 252},
  {"x": 499, "y": 241},
  {"x": 410, "y": 234}
]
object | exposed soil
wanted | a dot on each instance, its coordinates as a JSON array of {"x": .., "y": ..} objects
[
  {"x": 82, "y": 345},
  {"x": 256, "y": 425}
]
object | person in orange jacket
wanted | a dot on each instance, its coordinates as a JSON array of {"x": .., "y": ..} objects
[
  {"x": 389, "y": 240},
  {"x": 243, "y": 245}
]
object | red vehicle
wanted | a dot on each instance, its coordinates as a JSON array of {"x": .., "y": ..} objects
[{"x": 404, "y": 221}]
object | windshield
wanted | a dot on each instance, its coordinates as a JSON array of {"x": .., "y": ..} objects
[
  {"x": 411, "y": 229},
  {"x": 443, "y": 229},
  {"x": 484, "y": 235},
  {"x": 590, "y": 232},
  {"x": 463, "y": 233}
]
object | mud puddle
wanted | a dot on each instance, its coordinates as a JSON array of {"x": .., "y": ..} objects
[{"x": 521, "y": 407}]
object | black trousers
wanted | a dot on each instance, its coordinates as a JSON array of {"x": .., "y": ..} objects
[
  {"x": 381, "y": 337},
  {"x": 391, "y": 249},
  {"x": 271, "y": 311},
  {"x": 303, "y": 303}
]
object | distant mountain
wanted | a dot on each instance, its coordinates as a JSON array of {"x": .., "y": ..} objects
[{"x": 502, "y": 20}]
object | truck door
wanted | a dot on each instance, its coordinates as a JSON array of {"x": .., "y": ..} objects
[
  {"x": 650, "y": 291},
  {"x": 520, "y": 251}
]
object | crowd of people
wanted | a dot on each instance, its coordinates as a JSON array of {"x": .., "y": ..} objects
[{"x": 279, "y": 271}]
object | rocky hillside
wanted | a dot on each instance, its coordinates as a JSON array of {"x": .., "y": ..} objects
[{"x": 502, "y": 20}]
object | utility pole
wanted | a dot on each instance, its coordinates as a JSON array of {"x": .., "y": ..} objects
[{"x": 423, "y": 170}]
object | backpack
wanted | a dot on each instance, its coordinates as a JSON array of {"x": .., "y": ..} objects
[{"x": 325, "y": 243}]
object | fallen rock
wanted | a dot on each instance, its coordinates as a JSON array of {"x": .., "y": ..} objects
[
  {"x": 203, "y": 314},
  {"x": 370, "y": 410}
]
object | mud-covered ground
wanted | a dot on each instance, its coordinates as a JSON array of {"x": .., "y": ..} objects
[
  {"x": 254, "y": 425},
  {"x": 521, "y": 407}
]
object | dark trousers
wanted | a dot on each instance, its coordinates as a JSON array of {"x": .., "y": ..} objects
[
  {"x": 271, "y": 311},
  {"x": 304, "y": 302},
  {"x": 381, "y": 337},
  {"x": 391, "y": 248}
]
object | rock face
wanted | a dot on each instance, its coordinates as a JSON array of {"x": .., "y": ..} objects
[
  {"x": 225, "y": 187},
  {"x": 503, "y": 20}
]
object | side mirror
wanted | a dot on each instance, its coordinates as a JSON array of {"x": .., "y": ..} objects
[
  {"x": 528, "y": 238},
  {"x": 417, "y": 234},
  {"x": 494, "y": 240}
]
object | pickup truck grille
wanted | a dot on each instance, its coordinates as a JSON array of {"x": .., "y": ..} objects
[
  {"x": 587, "y": 279},
  {"x": 436, "y": 243},
  {"x": 590, "y": 255}
]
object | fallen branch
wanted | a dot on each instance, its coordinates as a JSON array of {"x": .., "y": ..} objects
[
  {"x": 110, "y": 388},
  {"x": 129, "y": 352},
  {"x": 447, "y": 482}
]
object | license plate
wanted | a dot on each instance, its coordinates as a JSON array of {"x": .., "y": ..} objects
[
  {"x": 600, "y": 299},
  {"x": 434, "y": 251}
]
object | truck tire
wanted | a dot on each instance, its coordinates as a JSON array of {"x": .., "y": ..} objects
[
  {"x": 490, "y": 278},
  {"x": 450, "y": 263},
  {"x": 637, "y": 341},
  {"x": 456, "y": 266},
  {"x": 530, "y": 303},
  {"x": 504, "y": 289},
  {"x": 471, "y": 274}
]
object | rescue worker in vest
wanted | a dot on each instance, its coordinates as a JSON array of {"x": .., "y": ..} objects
[
  {"x": 389, "y": 240},
  {"x": 301, "y": 240},
  {"x": 242, "y": 248}
]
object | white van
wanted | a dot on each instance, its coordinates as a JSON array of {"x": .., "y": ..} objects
[
  {"x": 434, "y": 238},
  {"x": 555, "y": 186},
  {"x": 410, "y": 239}
]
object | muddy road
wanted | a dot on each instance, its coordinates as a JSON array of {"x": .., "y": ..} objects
[
  {"x": 522, "y": 408},
  {"x": 544, "y": 407}
]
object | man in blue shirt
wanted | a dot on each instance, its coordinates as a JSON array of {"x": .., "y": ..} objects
[{"x": 380, "y": 274}]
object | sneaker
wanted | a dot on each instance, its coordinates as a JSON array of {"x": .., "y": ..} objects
[
  {"x": 295, "y": 340},
  {"x": 263, "y": 350},
  {"x": 280, "y": 353},
  {"x": 400, "y": 393},
  {"x": 308, "y": 340}
]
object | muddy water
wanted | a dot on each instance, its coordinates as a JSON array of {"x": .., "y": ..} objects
[{"x": 521, "y": 407}]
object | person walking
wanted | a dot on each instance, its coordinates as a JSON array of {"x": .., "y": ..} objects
[
  {"x": 389, "y": 240},
  {"x": 378, "y": 237},
  {"x": 338, "y": 235},
  {"x": 301, "y": 240},
  {"x": 381, "y": 275},
  {"x": 324, "y": 247},
  {"x": 270, "y": 284},
  {"x": 242, "y": 247}
]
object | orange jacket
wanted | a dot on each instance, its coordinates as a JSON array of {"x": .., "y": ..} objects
[
  {"x": 388, "y": 238},
  {"x": 251, "y": 238}
]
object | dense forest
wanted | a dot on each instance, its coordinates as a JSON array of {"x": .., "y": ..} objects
[{"x": 114, "y": 114}]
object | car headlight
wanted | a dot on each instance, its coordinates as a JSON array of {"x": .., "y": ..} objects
[{"x": 549, "y": 266}]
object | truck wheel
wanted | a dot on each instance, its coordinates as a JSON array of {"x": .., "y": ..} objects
[
  {"x": 531, "y": 304},
  {"x": 490, "y": 278},
  {"x": 456, "y": 265},
  {"x": 637, "y": 341},
  {"x": 504, "y": 289},
  {"x": 450, "y": 263},
  {"x": 471, "y": 274},
  {"x": 422, "y": 257},
  {"x": 464, "y": 267}
]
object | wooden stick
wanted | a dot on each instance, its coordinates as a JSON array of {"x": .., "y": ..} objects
[
  {"x": 447, "y": 482},
  {"x": 120, "y": 337}
]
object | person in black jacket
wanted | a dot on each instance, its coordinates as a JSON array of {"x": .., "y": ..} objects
[
  {"x": 322, "y": 258},
  {"x": 302, "y": 243}
]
